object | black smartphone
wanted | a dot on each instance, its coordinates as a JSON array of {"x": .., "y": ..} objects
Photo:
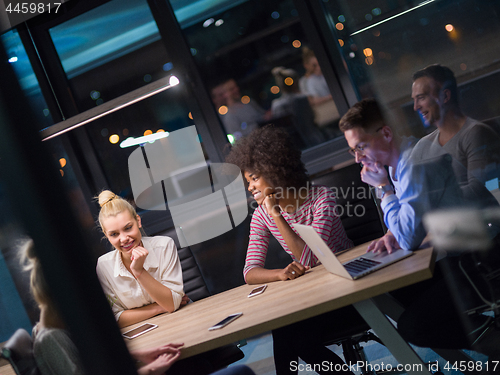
[{"x": 224, "y": 322}]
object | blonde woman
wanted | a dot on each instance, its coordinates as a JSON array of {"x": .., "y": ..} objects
[{"x": 142, "y": 276}]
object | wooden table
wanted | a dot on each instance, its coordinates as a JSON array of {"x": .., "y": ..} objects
[{"x": 283, "y": 303}]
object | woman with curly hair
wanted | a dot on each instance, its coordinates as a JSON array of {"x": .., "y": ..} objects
[{"x": 278, "y": 181}]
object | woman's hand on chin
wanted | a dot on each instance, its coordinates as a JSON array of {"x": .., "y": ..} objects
[
  {"x": 138, "y": 257},
  {"x": 271, "y": 205}
]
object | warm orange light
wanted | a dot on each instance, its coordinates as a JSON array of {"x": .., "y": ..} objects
[
  {"x": 275, "y": 90},
  {"x": 114, "y": 138},
  {"x": 148, "y": 132},
  {"x": 62, "y": 161},
  {"x": 296, "y": 43},
  {"x": 369, "y": 60},
  {"x": 245, "y": 99},
  {"x": 190, "y": 115},
  {"x": 160, "y": 131},
  {"x": 62, "y": 172},
  {"x": 288, "y": 81},
  {"x": 368, "y": 52},
  {"x": 463, "y": 66},
  {"x": 339, "y": 26},
  {"x": 449, "y": 28},
  {"x": 341, "y": 42},
  {"x": 376, "y": 32},
  {"x": 222, "y": 110}
]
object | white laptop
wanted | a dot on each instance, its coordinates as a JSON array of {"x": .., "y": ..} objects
[{"x": 353, "y": 269}]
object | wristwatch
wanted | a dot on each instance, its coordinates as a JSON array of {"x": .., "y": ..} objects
[{"x": 382, "y": 190}]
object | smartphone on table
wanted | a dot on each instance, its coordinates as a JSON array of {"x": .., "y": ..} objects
[
  {"x": 258, "y": 290},
  {"x": 224, "y": 322},
  {"x": 142, "y": 329}
]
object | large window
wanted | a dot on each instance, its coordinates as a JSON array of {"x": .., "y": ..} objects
[{"x": 252, "y": 58}]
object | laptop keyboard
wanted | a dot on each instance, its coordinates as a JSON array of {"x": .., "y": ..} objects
[{"x": 360, "y": 265}]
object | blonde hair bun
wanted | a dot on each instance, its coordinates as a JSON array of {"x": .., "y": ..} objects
[{"x": 105, "y": 196}]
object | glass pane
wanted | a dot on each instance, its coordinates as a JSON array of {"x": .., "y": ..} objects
[
  {"x": 114, "y": 137},
  {"x": 237, "y": 49},
  {"x": 384, "y": 42},
  {"x": 110, "y": 50},
  {"x": 26, "y": 77}
]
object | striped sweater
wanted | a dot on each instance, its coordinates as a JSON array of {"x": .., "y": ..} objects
[{"x": 317, "y": 211}]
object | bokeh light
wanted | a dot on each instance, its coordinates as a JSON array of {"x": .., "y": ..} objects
[
  {"x": 275, "y": 90},
  {"x": 296, "y": 43},
  {"x": 339, "y": 26},
  {"x": 222, "y": 110},
  {"x": 245, "y": 99},
  {"x": 190, "y": 115},
  {"x": 449, "y": 28},
  {"x": 115, "y": 138},
  {"x": 288, "y": 81},
  {"x": 62, "y": 161},
  {"x": 368, "y": 52},
  {"x": 148, "y": 132},
  {"x": 341, "y": 42}
]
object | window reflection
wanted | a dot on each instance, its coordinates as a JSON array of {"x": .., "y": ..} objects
[
  {"x": 22, "y": 67},
  {"x": 236, "y": 50},
  {"x": 384, "y": 42}
]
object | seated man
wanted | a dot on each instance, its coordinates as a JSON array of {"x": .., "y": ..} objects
[
  {"x": 474, "y": 146},
  {"x": 416, "y": 188},
  {"x": 431, "y": 318}
]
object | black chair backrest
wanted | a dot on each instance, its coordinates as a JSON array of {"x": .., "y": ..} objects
[
  {"x": 195, "y": 286},
  {"x": 18, "y": 350},
  {"x": 356, "y": 205}
]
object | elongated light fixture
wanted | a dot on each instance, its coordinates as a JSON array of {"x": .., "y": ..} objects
[
  {"x": 114, "y": 105},
  {"x": 392, "y": 17}
]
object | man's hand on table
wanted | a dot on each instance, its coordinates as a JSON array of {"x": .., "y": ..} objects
[
  {"x": 387, "y": 242},
  {"x": 185, "y": 300},
  {"x": 292, "y": 271}
]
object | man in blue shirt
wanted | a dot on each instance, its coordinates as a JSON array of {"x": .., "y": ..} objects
[{"x": 414, "y": 187}]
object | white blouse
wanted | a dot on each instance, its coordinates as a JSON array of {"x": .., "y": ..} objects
[{"x": 124, "y": 292}]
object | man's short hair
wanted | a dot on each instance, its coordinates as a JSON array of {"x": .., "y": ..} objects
[
  {"x": 365, "y": 114},
  {"x": 442, "y": 75}
]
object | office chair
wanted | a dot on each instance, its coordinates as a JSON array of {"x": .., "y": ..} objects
[{"x": 18, "y": 350}]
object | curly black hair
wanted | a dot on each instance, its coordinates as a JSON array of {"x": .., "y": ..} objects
[{"x": 270, "y": 152}]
